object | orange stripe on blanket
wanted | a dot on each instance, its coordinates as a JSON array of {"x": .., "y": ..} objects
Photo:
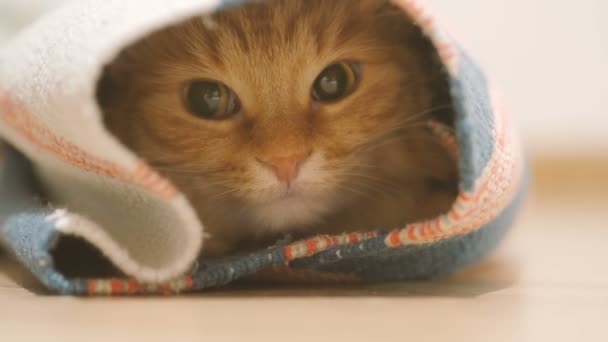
[
  {"x": 322, "y": 243},
  {"x": 18, "y": 118},
  {"x": 495, "y": 190}
]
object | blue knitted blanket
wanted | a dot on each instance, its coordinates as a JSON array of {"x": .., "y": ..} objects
[{"x": 107, "y": 224}]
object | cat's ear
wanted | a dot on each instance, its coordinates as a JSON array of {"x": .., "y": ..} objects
[
  {"x": 390, "y": 18},
  {"x": 387, "y": 13},
  {"x": 378, "y": 7}
]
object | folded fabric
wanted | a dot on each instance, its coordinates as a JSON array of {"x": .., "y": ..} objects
[{"x": 113, "y": 216}]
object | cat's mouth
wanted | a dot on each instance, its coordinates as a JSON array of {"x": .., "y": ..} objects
[
  {"x": 285, "y": 194},
  {"x": 290, "y": 209},
  {"x": 287, "y": 206},
  {"x": 289, "y": 192}
]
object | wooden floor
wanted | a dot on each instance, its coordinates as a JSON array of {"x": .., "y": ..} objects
[{"x": 548, "y": 282}]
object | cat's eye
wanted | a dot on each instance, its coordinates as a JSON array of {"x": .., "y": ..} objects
[
  {"x": 211, "y": 100},
  {"x": 335, "y": 82}
]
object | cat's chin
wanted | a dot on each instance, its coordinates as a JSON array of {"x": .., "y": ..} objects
[{"x": 289, "y": 212}]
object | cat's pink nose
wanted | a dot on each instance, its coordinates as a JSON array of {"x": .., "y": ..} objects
[{"x": 286, "y": 168}]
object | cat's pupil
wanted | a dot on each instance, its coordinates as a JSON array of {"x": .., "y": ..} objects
[
  {"x": 211, "y": 100},
  {"x": 205, "y": 98},
  {"x": 212, "y": 97},
  {"x": 331, "y": 83},
  {"x": 335, "y": 82}
]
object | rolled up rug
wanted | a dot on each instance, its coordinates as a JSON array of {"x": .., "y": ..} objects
[{"x": 115, "y": 226}]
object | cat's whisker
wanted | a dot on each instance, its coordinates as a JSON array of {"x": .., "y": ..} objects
[
  {"x": 355, "y": 191},
  {"x": 397, "y": 131},
  {"x": 372, "y": 185},
  {"x": 405, "y": 119},
  {"x": 379, "y": 180},
  {"x": 399, "y": 138},
  {"x": 224, "y": 194},
  {"x": 188, "y": 171},
  {"x": 215, "y": 184},
  {"x": 431, "y": 110}
]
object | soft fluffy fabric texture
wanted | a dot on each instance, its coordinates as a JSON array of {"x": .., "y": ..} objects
[{"x": 113, "y": 212}]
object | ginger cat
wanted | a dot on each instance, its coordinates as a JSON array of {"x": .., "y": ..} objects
[{"x": 289, "y": 117}]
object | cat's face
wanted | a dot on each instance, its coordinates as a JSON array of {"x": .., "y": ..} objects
[{"x": 272, "y": 110}]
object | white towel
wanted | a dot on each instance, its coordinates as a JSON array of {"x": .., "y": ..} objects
[{"x": 48, "y": 76}]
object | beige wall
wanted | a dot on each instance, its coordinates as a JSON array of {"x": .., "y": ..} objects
[{"x": 550, "y": 57}]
